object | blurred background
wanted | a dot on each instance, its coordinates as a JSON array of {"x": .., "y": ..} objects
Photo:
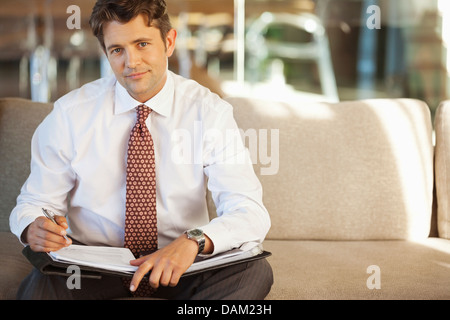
[{"x": 290, "y": 50}]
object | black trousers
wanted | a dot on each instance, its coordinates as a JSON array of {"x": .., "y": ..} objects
[{"x": 246, "y": 281}]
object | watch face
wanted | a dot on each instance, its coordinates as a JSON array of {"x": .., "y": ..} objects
[{"x": 196, "y": 232}]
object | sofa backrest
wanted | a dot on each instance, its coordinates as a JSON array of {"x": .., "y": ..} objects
[
  {"x": 347, "y": 171},
  {"x": 358, "y": 170},
  {"x": 19, "y": 119}
]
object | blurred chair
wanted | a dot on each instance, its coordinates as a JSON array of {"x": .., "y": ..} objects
[
  {"x": 260, "y": 48},
  {"x": 203, "y": 41}
]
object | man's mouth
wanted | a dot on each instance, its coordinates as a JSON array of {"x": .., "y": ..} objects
[{"x": 136, "y": 75}]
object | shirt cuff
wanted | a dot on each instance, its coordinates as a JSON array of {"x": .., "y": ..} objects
[
  {"x": 23, "y": 224},
  {"x": 217, "y": 234}
]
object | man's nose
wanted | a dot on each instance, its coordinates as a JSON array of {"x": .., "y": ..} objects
[{"x": 133, "y": 59}]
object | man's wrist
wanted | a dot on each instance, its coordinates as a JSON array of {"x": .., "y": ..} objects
[
  {"x": 198, "y": 236},
  {"x": 24, "y": 235}
]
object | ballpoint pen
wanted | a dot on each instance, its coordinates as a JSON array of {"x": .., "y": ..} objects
[{"x": 50, "y": 215}]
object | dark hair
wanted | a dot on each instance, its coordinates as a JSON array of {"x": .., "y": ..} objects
[{"x": 125, "y": 10}]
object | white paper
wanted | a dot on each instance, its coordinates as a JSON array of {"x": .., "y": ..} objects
[
  {"x": 247, "y": 250},
  {"x": 110, "y": 258}
]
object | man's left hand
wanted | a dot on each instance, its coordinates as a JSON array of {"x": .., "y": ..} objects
[{"x": 167, "y": 264}]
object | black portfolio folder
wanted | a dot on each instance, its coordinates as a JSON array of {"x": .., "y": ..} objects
[{"x": 45, "y": 264}]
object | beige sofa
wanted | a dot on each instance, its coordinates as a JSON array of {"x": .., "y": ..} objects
[{"x": 357, "y": 212}]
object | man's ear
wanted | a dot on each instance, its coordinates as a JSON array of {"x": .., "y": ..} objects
[{"x": 170, "y": 42}]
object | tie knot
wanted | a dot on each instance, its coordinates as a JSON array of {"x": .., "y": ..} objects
[{"x": 142, "y": 113}]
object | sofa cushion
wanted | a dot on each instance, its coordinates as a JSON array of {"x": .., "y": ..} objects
[
  {"x": 353, "y": 270},
  {"x": 356, "y": 170},
  {"x": 18, "y": 121},
  {"x": 442, "y": 159}
]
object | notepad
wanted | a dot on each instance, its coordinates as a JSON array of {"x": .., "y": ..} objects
[{"x": 108, "y": 258}]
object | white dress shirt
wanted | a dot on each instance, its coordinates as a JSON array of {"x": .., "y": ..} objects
[{"x": 78, "y": 166}]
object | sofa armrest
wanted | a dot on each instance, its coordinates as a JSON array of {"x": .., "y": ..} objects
[{"x": 442, "y": 168}]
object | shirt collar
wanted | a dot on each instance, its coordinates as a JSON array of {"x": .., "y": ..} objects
[{"x": 161, "y": 103}]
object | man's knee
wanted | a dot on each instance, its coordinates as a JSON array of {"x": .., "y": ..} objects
[
  {"x": 265, "y": 278},
  {"x": 257, "y": 281}
]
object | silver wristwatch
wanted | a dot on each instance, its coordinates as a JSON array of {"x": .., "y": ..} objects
[{"x": 198, "y": 236}]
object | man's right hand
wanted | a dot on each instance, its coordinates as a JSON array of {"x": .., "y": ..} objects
[{"x": 44, "y": 236}]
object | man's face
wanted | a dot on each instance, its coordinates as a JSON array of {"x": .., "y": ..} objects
[{"x": 138, "y": 56}]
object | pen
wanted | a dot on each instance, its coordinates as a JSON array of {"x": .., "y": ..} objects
[{"x": 50, "y": 215}]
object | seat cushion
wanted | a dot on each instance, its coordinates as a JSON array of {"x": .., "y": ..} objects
[{"x": 349, "y": 269}]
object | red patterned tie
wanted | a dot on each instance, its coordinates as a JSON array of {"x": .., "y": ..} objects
[{"x": 141, "y": 234}]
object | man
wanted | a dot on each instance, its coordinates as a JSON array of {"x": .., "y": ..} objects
[{"x": 79, "y": 152}]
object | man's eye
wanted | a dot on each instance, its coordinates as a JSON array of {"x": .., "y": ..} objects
[
  {"x": 117, "y": 50},
  {"x": 143, "y": 44}
]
